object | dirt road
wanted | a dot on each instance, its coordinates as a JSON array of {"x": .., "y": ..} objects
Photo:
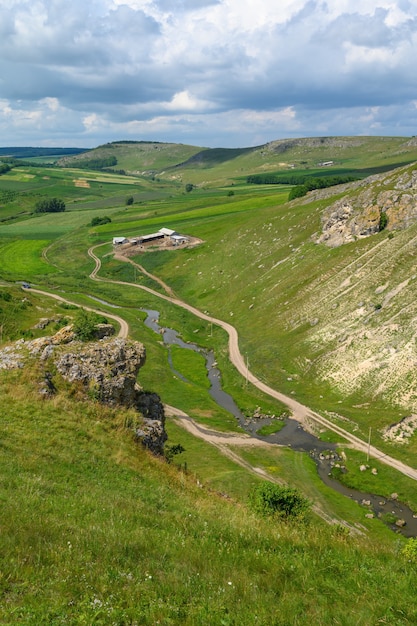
[
  {"x": 124, "y": 327},
  {"x": 300, "y": 412}
]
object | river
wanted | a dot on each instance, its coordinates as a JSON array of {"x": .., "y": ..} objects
[{"x": 291, "y": 435}]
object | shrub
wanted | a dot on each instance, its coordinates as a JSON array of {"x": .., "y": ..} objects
[
  {"x": 85, "y": 324},
  {"x": 274, "y": 500},
  {"x": 172, "y": 450},
  {"x": 97, "y": 221},
  {"x": 410, "y": 550}
]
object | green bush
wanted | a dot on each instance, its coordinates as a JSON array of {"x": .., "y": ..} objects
[
  {"x": 274, "y": 500},
  {"x": 97, "y": 221},
  {"x": 410, "y": 550},
  {"x": 85, "y": 324}
]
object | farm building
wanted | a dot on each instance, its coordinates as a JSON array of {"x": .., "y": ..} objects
[
  {"x": 168, "y": 232},
  {"x": 117, "y": 241},
  {"x": 178, "y": 239},
  {"x": 151, "y": 237}
]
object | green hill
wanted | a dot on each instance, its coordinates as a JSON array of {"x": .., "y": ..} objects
[{"x": 216, "y": 166}]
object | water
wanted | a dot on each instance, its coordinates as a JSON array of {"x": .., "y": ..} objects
[
  {"x": 291, "y": 435},
  {"x": 113, "y": 306}
]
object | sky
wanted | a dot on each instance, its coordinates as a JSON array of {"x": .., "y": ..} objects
[{"x": 213, "y": 73}]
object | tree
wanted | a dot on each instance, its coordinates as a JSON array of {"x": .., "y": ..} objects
[
  {"x": 189, "y": 187},
  {"x": 277, "y": 501},
  {"x": 383, "y": 220},
  {"x": 52, "y": 205},
  {"x": 173, "y": 450},
  {"x": 129, "y": 200}
]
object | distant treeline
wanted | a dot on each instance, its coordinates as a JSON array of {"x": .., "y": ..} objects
[
  {"x": 26, "y": 152},
  {"x": 302, "y": 184},
  {"x": 93, "y": 164},
  {"x": 130, "y": 141}
]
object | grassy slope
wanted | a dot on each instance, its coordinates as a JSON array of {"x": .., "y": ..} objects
[
  {"x": 136, "y": 157},
  {"x": 106, "y": 534}
]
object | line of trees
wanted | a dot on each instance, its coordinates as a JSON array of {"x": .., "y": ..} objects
[
  {"x": 50, "y": 205},
  {"x": 94, "y": 164},
  {"x": 318, "y": 183},
  {"x": 301, "y": 184}
]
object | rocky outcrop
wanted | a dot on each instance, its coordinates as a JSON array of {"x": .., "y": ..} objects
[
  {"x": 152, "y": 434},
  {"x": 108, "y": 371},
  {"x": 358, "y": 213}
]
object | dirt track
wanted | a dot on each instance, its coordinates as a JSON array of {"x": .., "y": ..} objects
[
  {"x": 124, "y": 327},
  {"x": 300, "y": 412}
]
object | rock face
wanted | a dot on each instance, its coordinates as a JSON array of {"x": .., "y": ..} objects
[
  {"x": 358, "y": 213},
  {"x": 108, "y": 371}
]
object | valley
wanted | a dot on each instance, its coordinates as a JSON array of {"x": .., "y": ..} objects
[{"x": 309, "y": 308}]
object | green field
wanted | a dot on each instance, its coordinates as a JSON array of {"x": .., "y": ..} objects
[{"x": 23, "y": 259}]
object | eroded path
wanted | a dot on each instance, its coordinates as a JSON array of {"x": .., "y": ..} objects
[{"x": 300, "y": 412}]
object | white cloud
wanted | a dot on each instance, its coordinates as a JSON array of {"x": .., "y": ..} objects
[
  {"x": 180, "y": 66},
  {"x": 184, "y": 101}
]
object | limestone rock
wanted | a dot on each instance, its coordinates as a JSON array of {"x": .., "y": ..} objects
[
  {"x": 357, "y": 214},
  {"x": 108, "y": 370}
]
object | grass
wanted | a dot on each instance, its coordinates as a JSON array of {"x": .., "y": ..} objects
[
  {"x": 23, "y": 259},
  {"x": 271, "y": 429},
  {"x": 108, "y": 534}
]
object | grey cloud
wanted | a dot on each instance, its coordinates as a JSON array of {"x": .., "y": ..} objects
[{"x": 123, "y": 65}]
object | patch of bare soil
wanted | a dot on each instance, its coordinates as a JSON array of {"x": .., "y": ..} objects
[{"x": 132, "y": 249}]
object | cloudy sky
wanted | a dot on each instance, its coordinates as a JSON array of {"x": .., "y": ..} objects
[{"x": 229, "y": 73}]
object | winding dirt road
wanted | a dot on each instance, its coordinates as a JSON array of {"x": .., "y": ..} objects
[
  {"x": 124, "y": 327},
  {"x": 300, "y": 412}
]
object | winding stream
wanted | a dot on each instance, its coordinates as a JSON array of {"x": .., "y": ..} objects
[{"x": 292, "y": 435}]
